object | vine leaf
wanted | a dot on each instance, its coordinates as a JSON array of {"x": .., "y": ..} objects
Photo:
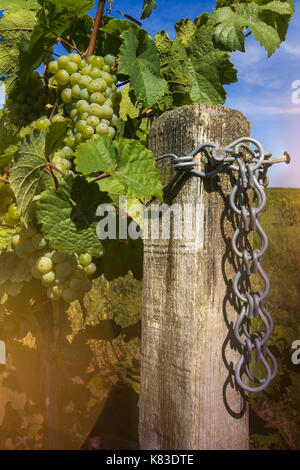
[
  {"x": 15, "y": 62},
  {"x": 209, "y": 68},
  {"x": 127, "y": 108},
  {"x": 148, "y": 7},
  {"x": 8, "y": 142},
  {"x": 14, "y": 5},
  {"x": 68, "y": 216},
  {"x": 139, "y": 59},
  {"x": 127, "y": 161},
  {"x": 262, "y": 20},
  {"x": 28, "y": 173},
  {"x": 55, "y": 136}
]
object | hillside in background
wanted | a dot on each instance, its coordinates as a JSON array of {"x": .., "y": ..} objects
[{"x": 278, "y": 409}]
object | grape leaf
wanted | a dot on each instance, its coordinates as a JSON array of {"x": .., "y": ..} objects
[
  {"x": 15, "y": 62},
  {"x": 127, "y": 161},
  {"x": 8, "y": 142},
  {"x": 68, "y": 216},
  {"x": 127, "y": 108},
  {"x": 110, "y": 35},
  {"x": 14, "y": 5},
  {"x": 229, "y": 23},
  {"x": 28, "y": 173},
  {"x": 14, "y": 269},
  {"x": 139, "y": 59},
  {"x": 208, "y": 69},
  {"x": 5, "y": 237},
  {"x": 148, "y": 7},
  {"x": 55, "y": 136}
]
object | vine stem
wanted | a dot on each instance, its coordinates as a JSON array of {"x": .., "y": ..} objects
[
  {"x": 99, "y": 15},
  {"x": 4, "y": 180},
  {"x": 101, "y": 177}
]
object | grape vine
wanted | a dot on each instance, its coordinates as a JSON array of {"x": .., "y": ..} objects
[{"x": 74, "y": 126}]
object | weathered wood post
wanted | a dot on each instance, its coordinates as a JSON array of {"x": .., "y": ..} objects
[{"x": 188, "y": 395}]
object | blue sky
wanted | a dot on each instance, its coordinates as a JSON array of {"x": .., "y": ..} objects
[{"x": 264, "y": 90}]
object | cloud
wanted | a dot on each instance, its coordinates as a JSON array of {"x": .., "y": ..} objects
[
  {"x": 2, "y": 97},
  {"x": 290, "y": 49}
]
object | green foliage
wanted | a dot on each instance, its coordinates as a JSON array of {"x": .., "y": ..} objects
[
  {"x": 68, "y": 216},
  {"x": 8, "y": 142},
  {"x": 127, "y": 161},
  {"x": 29, "y": 176},
  {"x": 267, "y": 22},
  {"x": 194, "y": 66},
  {"x": 139, "y": 60},
  {"x": 15, "y": 62},
  {"x": 148, "y": 7}
]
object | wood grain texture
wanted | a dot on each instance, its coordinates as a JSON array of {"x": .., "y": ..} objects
[{"x": 188, "y": 398}]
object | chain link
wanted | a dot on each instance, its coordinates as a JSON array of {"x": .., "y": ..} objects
[{"x": 253, "y": 345}]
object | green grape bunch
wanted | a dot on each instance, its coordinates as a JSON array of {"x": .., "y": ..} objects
[
  {"x": 63, "y": 276},
  {"x": 29, "y": 104},
  {"x": 89, "y": 93}
]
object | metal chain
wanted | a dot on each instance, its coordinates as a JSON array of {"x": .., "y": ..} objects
[{"x": 253, "y": 345}]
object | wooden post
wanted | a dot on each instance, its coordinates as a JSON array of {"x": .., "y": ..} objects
[{"x": 188, "y": 394}]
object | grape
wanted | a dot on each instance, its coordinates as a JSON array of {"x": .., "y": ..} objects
[
  {"x": 73, "y": 113},
  {"x": 57, "y": 118},
  {"x": 109, "y": 60},
  {"x": 62, "y": 77},
  {"x": 86, "y": 69},
  {"x": 62, "y": 61},
  {"x": 93, "y": 121},
  {"x": 85, "y": 259},
  {"x": 58, "y": 257},
  {"x": 69, "y": 295},
  {"x": 71, "y": 67},
  {"x": 66, "y": 95},
  {"x": 94, "y": 86},
  {"x": 107, "y": 112},
  {"x": 75, "y": 284},
  {"x": 63, "y": 269},
  {"x": 67, "y": 151},
  {"x": 102, "y": 129},
  {"x": 87, "y": 132},
  {"x": 35, "y": 273},
  {"x": 97, "y": 62},
  {"x": 95, "y": 110},
  {"x": 90, "y": 269},
  {"x": 54, "y": 292},
  {"x": 86, "y": 285},
  {"x": 83, "y": 106},
  {"x": 84, "y": 116},
  {"x": 38, "y": 241},
  {"x": 75, "y": 58},
  {"x": 111, "y": 132},
  {"x": 49, "y": 277},
  {"x": 97, "y": 98},
  {"x": 78, "y": 137},
  {"x": 13, "y": 212},
  {"x": 75, "y": 79},
  {"x": 76, "y": 91},
  {"x": 84, "y": 95},
  {"x": 44, "y": 264},
  {"x": 95, "y": 73},
  {"x": 84, "y": 82},
  {"x": 106, "y": 68},
  {"x": 80, "y": 125},
  {"x": 53, "y": 67}
]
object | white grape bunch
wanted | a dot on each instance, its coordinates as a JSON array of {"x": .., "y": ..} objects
[
  {"x": 27, "y": 105},
  {"x": 63, "y": 276},
  {"x": 89, "y": 93}
]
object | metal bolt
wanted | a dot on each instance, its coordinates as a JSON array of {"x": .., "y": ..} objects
[{"x": 284, "y": 158}]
